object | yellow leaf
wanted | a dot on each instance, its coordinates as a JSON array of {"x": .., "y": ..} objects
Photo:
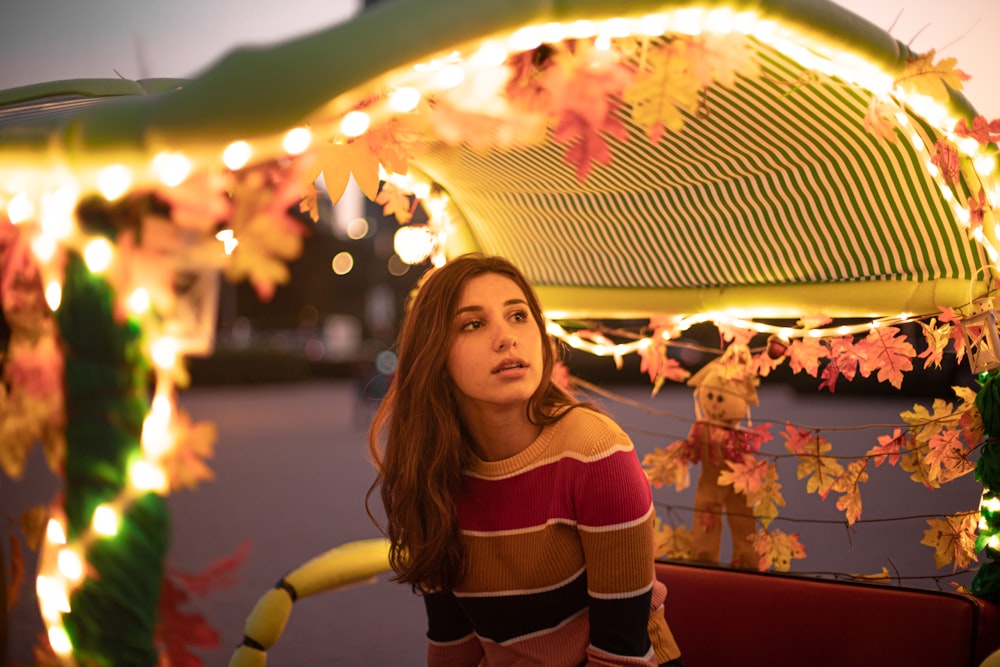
[{"x": 661, "y": 92}]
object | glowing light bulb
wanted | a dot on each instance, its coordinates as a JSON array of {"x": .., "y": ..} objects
[
  {"x": 138, "y": 300},
  {"x": 98, "y": 254},
  {"x": 490, "y": 54},
  {"x": 59, "y": 640},
  {"x": 148, "y": 477},
  {"x": 20, "y": 208},
  {"x": 526, "y": 39},
  {"x": 985, "y": 165},
  {"x": 993, "y": 504},
  {"x": 53, "y": 295},
  {"x": 414, "y": 243},
  {"x": 51, "y": 597},
  {"x": 236, "y": 155},
  {"x": 405, "y": 99},
  {"x": 355, "y": 123},
  {"x": 297, "y": 140},
  {"x": 114, "y": 181},
  {"x": 651, "y": 25},
  {"x": 171, "y": 168},
  {"x": 229, "y": 241},
  {"x": 105, "y": 521},
  {"x": 450, "y": 76},
  {"x": 70, "y": 564},
  {"x": 582, "y": 29},
  {"x": 164, "y": 352},
  {"x": 54, "y": 532},
  {"x": 44, "y": 248},
  {"x": 553, "y": 33}
]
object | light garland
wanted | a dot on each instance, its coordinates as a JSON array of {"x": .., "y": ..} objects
[{"x": 48, "y": 210}]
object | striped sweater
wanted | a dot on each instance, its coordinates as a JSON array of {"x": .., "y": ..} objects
[{"x": 559, "y": 549}]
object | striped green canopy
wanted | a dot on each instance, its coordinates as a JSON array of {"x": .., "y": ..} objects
[{"x": 775, "y": 199}]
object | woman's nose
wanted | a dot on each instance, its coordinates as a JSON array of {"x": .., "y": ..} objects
[{"x": 505, "y": 340}]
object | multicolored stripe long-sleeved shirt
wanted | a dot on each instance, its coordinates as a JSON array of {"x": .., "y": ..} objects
[{"x": 559, "y": 548}]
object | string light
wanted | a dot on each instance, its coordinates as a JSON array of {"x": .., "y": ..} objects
[
  {"x": 236, "y": 155},
  {"x": 297, "y": 140},
  {"x": 171, "y": 168}
]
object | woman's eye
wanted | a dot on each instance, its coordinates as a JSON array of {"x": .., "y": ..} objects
[
  {"x": 471, "y": 324},
  {"x": 521, "y": 316}
]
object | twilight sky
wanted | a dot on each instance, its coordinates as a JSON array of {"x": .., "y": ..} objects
[{"x": 47, "y": 40}]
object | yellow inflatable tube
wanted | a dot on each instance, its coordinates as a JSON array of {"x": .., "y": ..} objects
[{"x": 340, "y": 567}]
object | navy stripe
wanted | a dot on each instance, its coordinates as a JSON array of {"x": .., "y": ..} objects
[
  {"x": 613, "y": 624},
  {"x": 503, "y": 618},
  {"x": 446, "y": 621}
]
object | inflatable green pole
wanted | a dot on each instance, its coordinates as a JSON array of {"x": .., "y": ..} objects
[{"x": 114, "y": 612}]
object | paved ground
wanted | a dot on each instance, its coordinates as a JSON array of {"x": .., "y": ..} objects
[{"x": 292, "y": 472}]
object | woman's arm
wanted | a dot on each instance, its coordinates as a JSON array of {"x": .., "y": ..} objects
[
  {"x": 615, "y": 519},
  {"x": 451, "y": 640}
]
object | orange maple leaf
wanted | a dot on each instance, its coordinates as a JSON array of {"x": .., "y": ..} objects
[
  {"x": 668, "y": 466},
  {"x": 395, "y": 202},
  {"x": 935, "y": 79},
  {"x": 777, "y": 549},
  {"x": 194, "y": 444},
  {"x": 822, "y": 471},
  {"x": 849, "y": 483},
  {"x": 947, "y": 457},
  {"x": 953, "y": 539},
  {"x": 796, "y": 439},
  {"x": 889, "y": 353},
  {"x": 889, "y": 447},
  {"x": 937, "y": 337},
  {"x": 804, "y": 354}
]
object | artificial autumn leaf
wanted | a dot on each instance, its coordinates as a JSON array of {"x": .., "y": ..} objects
[
  {"x": 268, "y": 237},
  {"x": 947, "y": 457},
  {"x": 953, "y": 539},
  {"x": 983, "y": 131},
  {"x": 178, "y": 631},
  {"x": 821, "y": 470},
  {"x": 763, "y": 363},
  {"x": 764, "y": 502},
  {"x": 849, "y": 483},
  {"x": 957, "y": 333},
  {"x": 673, "y": 543},
  {"x": 845, "y": 358},
  {"x": 914, "y": 463},
  {"x": 721, "y": 57},
  {"x": 880, "y": 119},
  {"x": 33, "y": 522},
  {"x": 583, "y": 89},
  {"x": 663, "y": 90},
  {"x": 354, "y": 158},
  {"x": 879, "y": 577},
  {"x": 219, "y": 575},
  {"x": 668, "y": 466},
  {"x": 796, "y": 439},
  {"x": 890, "y": 447},
  {"x": 971, "y": 420},
  {"x": 655, "y": 363},
  {"x": 599, "y": 338},
  {"x": 804, "y": 355},
  {"x": 924, "y": 76},
  {"x": 937, "y": 337},
  {"x": 926, "y": 424},
  {"x": 746, "y": 476},
  {"x": 395, "y": 202},
  {"x": 735, "y": 336},
  {"x": 888, "y": 353},
  {"x": 977, "y": 210},
  {"x": 945, "y": 157},
  {"x": 194, "y": 443},
  {"x": 777, "y": 549}
]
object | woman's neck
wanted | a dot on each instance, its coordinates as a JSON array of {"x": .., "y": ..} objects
[{"x": 498, "y": 436}]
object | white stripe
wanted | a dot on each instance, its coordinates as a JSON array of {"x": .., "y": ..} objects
[
  {"x": 524, "y": 591},
  {"x": 616, "y": 526},
  {"x": 553, "y": 459},
  {"x": 622, "y": 595},
  {"x": 519, "y": 531}
]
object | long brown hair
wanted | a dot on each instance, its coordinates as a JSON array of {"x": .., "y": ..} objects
[{"x": 425, "y": 448}]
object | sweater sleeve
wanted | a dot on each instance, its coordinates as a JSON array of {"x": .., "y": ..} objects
[
  {"x": 451, "y": 640},
  {"x": 615, "y": 519}
]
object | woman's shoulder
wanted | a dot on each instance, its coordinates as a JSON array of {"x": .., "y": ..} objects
[{"x": 588, "y": 431}]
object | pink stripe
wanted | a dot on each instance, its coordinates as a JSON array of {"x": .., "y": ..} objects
[{"x": 606, "y": 492}]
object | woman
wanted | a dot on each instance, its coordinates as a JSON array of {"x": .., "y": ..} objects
[{"x": 522, "y": 516}]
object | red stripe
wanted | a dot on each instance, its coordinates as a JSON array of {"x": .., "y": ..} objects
[{"x": 605, "y": 492}]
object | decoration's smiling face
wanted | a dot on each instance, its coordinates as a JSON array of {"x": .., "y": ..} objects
[{"x": 721, "y": 400}]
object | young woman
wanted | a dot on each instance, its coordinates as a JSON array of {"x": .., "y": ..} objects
[{"x": 522, "y": 516}]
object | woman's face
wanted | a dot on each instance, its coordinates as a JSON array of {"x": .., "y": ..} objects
[{"x": 495, "y": 357}]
